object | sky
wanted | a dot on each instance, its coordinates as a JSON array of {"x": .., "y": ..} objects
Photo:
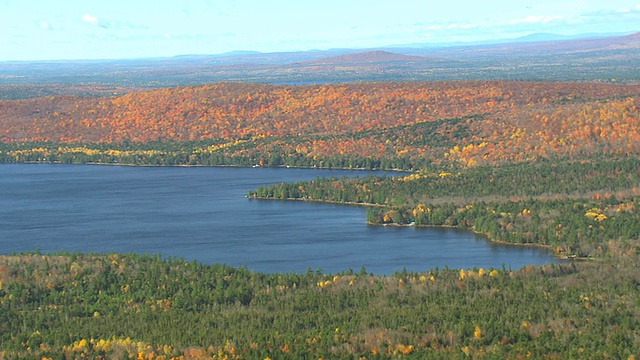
[{"x": 34, "y": 30}]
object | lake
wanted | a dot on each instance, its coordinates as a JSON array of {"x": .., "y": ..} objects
[{"x": 202, "y": 214}]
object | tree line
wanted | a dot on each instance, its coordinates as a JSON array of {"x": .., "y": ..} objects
[
  {"x": 465, "y": 123},
  {"x": 61, "y": 306},
  {"x": 575, "y": 207}
]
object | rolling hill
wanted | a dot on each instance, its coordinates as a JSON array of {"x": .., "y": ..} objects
[
  {"x": 370, "y": 57},
  {"x": 612, "y": 59},
  {"x": 469, "y": 122},
  {"x": 552, "y": 164}
]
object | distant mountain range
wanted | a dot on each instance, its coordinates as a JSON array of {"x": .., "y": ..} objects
[
  {"x": 370, "y": 57},
  {"x": 537, "y": 57},
  {"x": 536, "y": 37},
  {"x": 631, "y": 41},
  {"x": 551, "y": 42}
]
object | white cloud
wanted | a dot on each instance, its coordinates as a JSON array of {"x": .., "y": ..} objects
[
  {"x": 89, "y": 19},
  {"x": 451, "y": 27},
  {"x": 45, "y": 25},
  {"x": 111, "y": 24},
  {"x": 634, "y": 9},
  {"x": 535, "y": 20}
]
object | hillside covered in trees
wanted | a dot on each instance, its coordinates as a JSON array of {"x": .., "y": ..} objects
[
  {"x": 140, "y": 307},
  {"x": 544, "y": 164},
  {"x": 369, "y": 125}
]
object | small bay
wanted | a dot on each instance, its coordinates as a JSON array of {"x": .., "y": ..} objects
[{"x": 202, "y": 214}]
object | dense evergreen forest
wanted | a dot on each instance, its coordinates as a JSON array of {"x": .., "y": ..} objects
[
  {"x": 580, "y": 209},
  {"x": 142, "y": 307},
  {"x": 543, "y": 164}
]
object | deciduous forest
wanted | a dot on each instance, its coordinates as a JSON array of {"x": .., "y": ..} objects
[
  {"x": 526, "y": 163},
  {"x": 367, "y": 125}
]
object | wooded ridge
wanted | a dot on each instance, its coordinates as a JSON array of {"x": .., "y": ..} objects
[
  {"x": 405, "y": 125},
  {"x": 551, "y": 164}
]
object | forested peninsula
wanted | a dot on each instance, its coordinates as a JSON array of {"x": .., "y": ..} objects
[{"x": 526, "y": 163}]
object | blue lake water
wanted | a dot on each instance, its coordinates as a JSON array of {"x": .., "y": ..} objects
[{"x": 201, "y": 213}]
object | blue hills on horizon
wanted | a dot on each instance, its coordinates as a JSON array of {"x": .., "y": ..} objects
[
  {"x": 535, "y": 57},
  {"x": 243, "y": 56}
]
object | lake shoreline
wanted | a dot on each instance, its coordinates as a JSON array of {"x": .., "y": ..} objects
[
  {"x": 203, "y": 214},
  {"x": 350, "y": 203},
  {"x": 487, "y": 236},
  {"x": 213, "y": 166}
]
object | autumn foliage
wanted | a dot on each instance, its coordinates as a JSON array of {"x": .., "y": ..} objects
[
  {"x": 580, "y": 198},
  {"x": 77, "y": 306},
  {"x": 468, "y": 123}
]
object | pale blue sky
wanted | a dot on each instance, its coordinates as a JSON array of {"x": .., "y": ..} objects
[{"x": 106, "y": 29}]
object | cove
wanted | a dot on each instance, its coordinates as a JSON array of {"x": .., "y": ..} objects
[{"x": 202, "y": 214}]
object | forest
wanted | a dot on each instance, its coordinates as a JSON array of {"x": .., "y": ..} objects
[
  {"x": 531, "y": 164},
  {"x": 70, "y": 306},
  {"x": 360, "y": 125},
  {"x": 578, "y": 209}
]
